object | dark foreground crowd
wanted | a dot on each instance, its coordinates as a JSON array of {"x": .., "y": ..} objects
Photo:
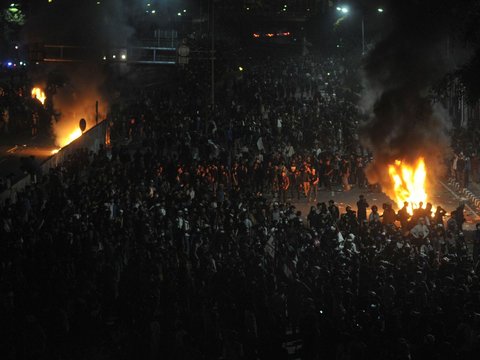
[{"x": 155, "y": 251}]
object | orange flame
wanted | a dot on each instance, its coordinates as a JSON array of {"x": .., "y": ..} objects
[
  {"x": 38, "y": 94},
  {"x": 408, "y": 183},
  {"x": 64, "y": 141}
]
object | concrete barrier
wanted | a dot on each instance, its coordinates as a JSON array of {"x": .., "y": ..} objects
[
  {"x": 474, "y": 199},
  {"x": 91, "y": 140}
]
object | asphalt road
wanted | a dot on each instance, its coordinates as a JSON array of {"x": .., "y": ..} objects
[
  {"x": 12, "y": 150},
  {"x": 440, "y": 195},
  {"x": 11, "y": 153}
]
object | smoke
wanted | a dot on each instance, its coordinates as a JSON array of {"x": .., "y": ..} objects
[
  {"x": 82, "y": 23},
  {"x": 77, "y": 99},
  {"x": 399, "y": 74},
  {"x": 94, "y": 29}
]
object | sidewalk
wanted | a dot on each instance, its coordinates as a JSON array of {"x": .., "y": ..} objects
[
  {"x": 475, "y": 189},
  {"x": 472, "y": 192}
]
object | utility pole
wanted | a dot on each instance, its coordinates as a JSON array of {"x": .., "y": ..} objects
[
  {"x": 96, "y": 112},
  {"x": 212, "y": 55},
  {"x": 363, "y": 35}
]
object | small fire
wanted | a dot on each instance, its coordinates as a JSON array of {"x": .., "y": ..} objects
[
  {"x": 408, "y": 183},
  {"x": 38, "y": 94},
  {"x": 74, "y": 135},
  {"x": 64, "y": 141}
]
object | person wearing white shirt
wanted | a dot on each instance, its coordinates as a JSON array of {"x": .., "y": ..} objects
[{"x": 420, "y": 231}]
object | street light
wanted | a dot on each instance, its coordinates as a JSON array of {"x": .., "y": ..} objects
[{"x": 345, "y": 10}]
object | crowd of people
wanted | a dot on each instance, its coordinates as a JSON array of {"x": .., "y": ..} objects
[
  {"x": 20, "y": 114},
  {"x": 185, "y": 241},
  {"x": 464, "y": 163},
  {"x": 284, "y": 115}
]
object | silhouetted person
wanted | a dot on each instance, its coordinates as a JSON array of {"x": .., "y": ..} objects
[
  {"x": 389, "y": 215},
  {"x": 403, "y": 215},
  {"x": 362, "y": 207}
]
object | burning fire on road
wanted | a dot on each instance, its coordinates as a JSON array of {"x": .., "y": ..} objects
[{"x": 408, "y": 183}]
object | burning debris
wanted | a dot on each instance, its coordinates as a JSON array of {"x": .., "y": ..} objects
[
  {"x": 409, "y": 183},
  {"x": 405, "y": 124},
  {"x": 39, "y": 94}
]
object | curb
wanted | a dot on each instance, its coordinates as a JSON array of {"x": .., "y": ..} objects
[{"x": 475, "y": 200}]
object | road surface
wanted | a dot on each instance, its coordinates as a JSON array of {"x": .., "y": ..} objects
[
  {"x": 440, "y": 195},
  {"x": 11, "y": 154}
]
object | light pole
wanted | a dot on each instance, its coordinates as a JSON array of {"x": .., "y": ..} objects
[
  {"x": 379, "y": 10},
  {"x": 345, "y": 10},
  {"x": 212, "y": 55},
  {"x": 363, "y": 35}
]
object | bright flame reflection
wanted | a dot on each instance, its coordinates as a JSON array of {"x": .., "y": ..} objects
[
  {"x": 64, "y": 141},
  {"x": 38, "y": 94},
  {"x": 408, "y": 183}
]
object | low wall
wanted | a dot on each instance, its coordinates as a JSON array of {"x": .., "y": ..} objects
[{"x": 91, "y": 140}]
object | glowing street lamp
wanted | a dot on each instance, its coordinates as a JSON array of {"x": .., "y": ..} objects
[{"x": 343, "y": 9}]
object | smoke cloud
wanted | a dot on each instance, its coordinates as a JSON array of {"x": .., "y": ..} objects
[
  {"x": 93, "y": 28},
  {"x": 399, "y": 74},
  {"x": 82, "y": 23},
  {"x": 77, "y": 99}
]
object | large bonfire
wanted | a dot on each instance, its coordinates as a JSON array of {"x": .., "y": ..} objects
[{"x": 408, "y": 183}]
